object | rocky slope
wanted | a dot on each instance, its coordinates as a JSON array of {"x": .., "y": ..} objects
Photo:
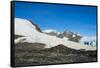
[
  {"x": 25, "y": 28},
  {"x": 34, "y": 47},
  {"x": 28, "y": 54}
]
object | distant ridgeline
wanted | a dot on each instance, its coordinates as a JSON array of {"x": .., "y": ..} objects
[
  {"x": 91, "y": 43},
  {"x": 72, "y": 36},
  {"x": 33, "y": 33}
]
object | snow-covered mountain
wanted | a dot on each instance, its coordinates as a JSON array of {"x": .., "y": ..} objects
[
  {"x": 72, "y": 36},
  {"x": 51, "y": 32},
  {"x": 89, "y": 40},
  {"x": 30, "y": 34}
]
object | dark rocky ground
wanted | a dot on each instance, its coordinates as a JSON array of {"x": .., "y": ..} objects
[{"x": 33, "y": 54}]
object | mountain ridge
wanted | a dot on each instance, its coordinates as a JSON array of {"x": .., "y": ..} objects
[{"x": 32, "y": 35}]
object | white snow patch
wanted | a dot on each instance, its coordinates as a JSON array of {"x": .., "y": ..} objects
[
  {"x": 18, "y": 40},
  {"x": 24, "y": 27},
  {"x": 49, "y": 31},
  {"x": 90, "y": 38}
]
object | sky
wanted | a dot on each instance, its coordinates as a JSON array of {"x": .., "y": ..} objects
[{"x": 75, "y": 18}]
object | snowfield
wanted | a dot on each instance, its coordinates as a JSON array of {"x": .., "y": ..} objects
[
  {"x": 31, "y": 35},
  {"x": 49, "y": 30}
]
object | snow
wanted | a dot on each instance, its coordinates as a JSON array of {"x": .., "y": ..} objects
[
  {"x": 91, "y": 38},
  {"x": 19, "y": 40},
  {"x": 73, "y": 35},
  {"x": 49, "y": 31},
  {"x": 24, "y": 27},
  {"x": 27, "y": 29}
]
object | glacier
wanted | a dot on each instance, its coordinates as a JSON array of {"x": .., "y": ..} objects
[{"x": 25, "y": 28}]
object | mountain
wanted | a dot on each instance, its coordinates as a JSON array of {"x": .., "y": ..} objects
[
  {"x": 34, "y": 47},
  {"x": 72, "y": 36},
  {"x": 53, "y": 32},
  {"x": 91, "y": 38},
  {"x": 50, "y": 32},
  {"x": 32, "y": 54},
  {"x": 31, "y": 34},
  {"x": 91, "y": 41}
]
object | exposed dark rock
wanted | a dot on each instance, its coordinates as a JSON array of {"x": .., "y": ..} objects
[
  {"x": 60, "y": 35},
  {"x": 37, "y": 28},
  {"x": 70, "y": 37},
  {"x": 26, "y": 54},
  {"x": 29, "y": 46},
  {"x": 52, "y": 33},
  {"x": 17, "y": 36}
]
